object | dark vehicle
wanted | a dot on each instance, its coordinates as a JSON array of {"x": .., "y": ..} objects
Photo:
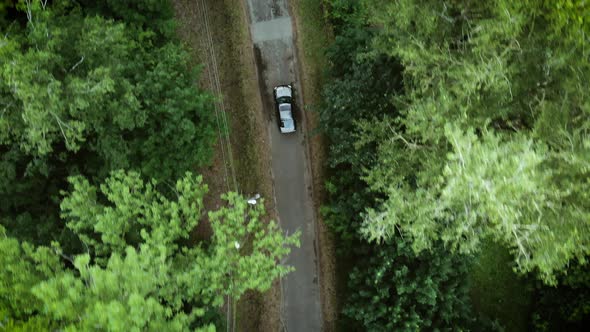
[{"x": 284, "y": 99}]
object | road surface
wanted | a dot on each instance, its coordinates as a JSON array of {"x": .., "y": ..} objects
[{"x": 272, "y": 36}]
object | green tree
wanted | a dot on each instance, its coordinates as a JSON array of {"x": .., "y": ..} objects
[
  {"x": 86, "y": 95},
  {"x": 138, "y": 271},
  {"x": 360, "y": 90},
  {"x": 128, "y": 211},
  {"x": 70, "y": 90},
  {"x": 492, "y": 138},
  {"x": 489, "y": 188},
  {"x": 154, "y": 15},
  {"x": 567, "y": 19},
  {"x": 389, "y": 287},
  {"x": 245, "y": 249},
  {"x": 23, "y": 266},
  {"x": 394, "y": 290},
  {"x": 242, "y": 244},
  {"x": 130, "y": 293},
  {"x": 245, "y": 253}
]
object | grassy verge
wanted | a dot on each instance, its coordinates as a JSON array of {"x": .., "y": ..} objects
[
  {"x": 247, "y": 126},
  {"x": 497, "y": 292},
  {"x": 248, "y": 135},
  {"x": 313, "y": 34},
  {"x": 239, "y": 84}
]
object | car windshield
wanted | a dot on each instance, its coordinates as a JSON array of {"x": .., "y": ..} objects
[
  {"x": 284, "y": 107},
  {"x": 284, "y": 99}
]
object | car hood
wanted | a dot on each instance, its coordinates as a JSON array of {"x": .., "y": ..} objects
[{"x": 283, "y": 91}]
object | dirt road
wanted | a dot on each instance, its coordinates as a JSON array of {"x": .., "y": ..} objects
[{"x": 272, "y": 35}]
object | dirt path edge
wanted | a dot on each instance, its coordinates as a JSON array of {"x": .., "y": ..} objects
[{"x": 316, "y": 152}]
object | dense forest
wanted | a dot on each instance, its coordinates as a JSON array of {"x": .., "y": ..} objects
[
  {"x": 455, "y": 127},
  {"x": 458, "y": 137},
  {"x": 101, "y": 128}
]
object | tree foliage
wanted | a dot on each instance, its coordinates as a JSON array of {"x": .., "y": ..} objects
[
  {"x": 127, "y": 294},
  {"x": 137, "y": 273},
  {"x": 83, "y": 94},
  {"x": 569, "y": 20},
  {"x": 23, "y": 267},
  {"x": 100, "y": 120},
  {"x": 389, "y": 287},
  {"x": 152, "y": 15},
  {"x": 245, "y": 252},
  {"x": 135, "y": 213},
  {"x": 492, "y": 138},
  {"x": 358, "y": 91},
  {"x": 398, "y": 291},
  {"x": 486, "y": 137}
]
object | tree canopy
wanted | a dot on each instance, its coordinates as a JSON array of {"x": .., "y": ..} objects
[
  {"x": 85, "y": 94},
  {"x": 396, "y": 290},
  {"x": 452, "y": 124},
  {"x": 101, "y": 124},
  {"x": 493, "y": 130},
  {"x": 137, "y": 272}
]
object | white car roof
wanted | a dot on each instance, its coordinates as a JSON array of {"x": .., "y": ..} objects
[{"x": 285, "y": 112}]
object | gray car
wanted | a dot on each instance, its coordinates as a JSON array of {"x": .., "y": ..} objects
[{"x": 284, "y": 100}]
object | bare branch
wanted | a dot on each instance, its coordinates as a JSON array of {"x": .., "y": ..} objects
[
  {"x": 77, "y": 63},
  {"x": 5, "y": 109},
  {"x": 64, "y": 256},
  {"x": 59, "y": 122},
  {"x": 29, "y": 13},
  {"x": 410, "y": 145}
]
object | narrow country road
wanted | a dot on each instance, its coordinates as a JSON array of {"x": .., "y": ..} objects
[{"x": 272, "y": 35}]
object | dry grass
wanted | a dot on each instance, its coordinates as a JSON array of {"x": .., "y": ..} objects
[
  {"x": 247, "y": 126},
  {"x": 312, "y": 35}
]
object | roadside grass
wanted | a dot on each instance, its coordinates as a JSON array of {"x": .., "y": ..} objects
[
  {"x": 241, "y": 90},
  {"x": 255, "y": 311},
  {"x": 246, "y": 126},
  {"x": 497, "y": 292},
  {"x": 260, "y": 312},
  {"x": 237, "y": 79},
  {"x": 313, "y": 36}
]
